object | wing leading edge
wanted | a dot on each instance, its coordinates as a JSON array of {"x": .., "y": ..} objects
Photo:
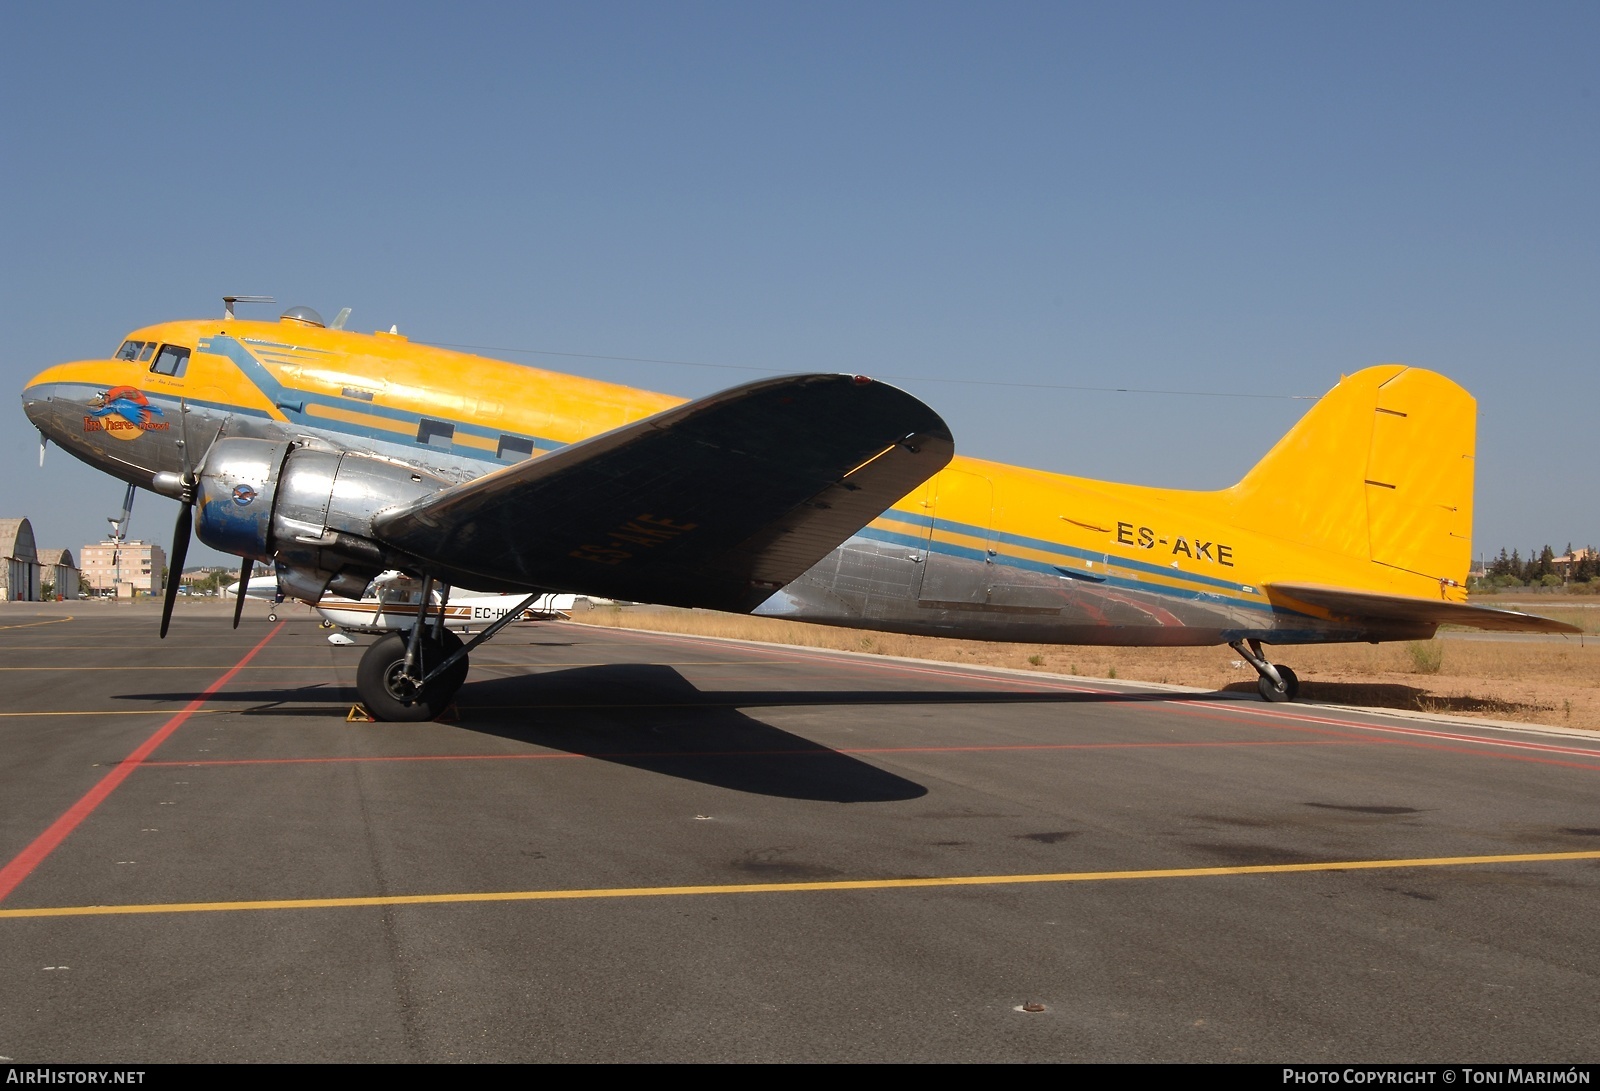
[
  {"x": 1369, "y": 605},
  {"x": 714, "y": 503}
]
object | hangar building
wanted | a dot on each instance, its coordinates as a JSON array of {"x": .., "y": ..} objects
[
  {"x": 60, "y": 572},
  {"x": 19, "y": 562}
]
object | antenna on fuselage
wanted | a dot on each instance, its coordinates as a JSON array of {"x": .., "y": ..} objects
[
  {"x": 229, "y": 300},
  {"x": 338, "y": 323}
]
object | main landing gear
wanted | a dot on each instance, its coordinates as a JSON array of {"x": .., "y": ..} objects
[
  {"x": 412, "y": 676},
  {"x": 393, "y": 693},
  {"x": 1277, "y": 683}
]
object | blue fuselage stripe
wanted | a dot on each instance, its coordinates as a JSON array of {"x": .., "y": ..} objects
[
  {"x": 948, "y": 549},
  {"x": 293, "y": 403},
  {"x": 950, "y": 527}
]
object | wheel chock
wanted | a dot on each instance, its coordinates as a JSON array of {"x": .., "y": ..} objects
[
  {"x": 358, "y": 714},
  {"x": 451, "y": 715}
]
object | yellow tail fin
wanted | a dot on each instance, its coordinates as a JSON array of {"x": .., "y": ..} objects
[{"x": 1380, "y": 469}]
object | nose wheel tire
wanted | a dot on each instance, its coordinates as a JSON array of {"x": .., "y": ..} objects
[
  {"x": 272, "y": 617},
  {"x": 1270, "y": 691},
  {"x": 389, "y": 695}
]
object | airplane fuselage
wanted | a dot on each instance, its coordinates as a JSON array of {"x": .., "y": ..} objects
[{"x": 982, "y": 550}]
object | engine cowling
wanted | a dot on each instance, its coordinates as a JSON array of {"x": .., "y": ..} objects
[{"x": 306, "y": 509}]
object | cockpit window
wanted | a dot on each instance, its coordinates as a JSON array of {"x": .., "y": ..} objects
[
  {"x": 130, "y": 350},
  {"x": 170, "y": 361},
  {"x": 146, "y": 352}
]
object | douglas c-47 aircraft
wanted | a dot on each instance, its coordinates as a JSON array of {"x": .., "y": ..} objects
[{"x": 824, "y": 498}]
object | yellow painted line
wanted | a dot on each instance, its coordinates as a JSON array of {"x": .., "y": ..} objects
[
  {"x": 544, "y": 666},
  {"x": 786, "y": 888},
  {"x": 194, "y": 667},
  {"x": 31, "y": 624},
  {"x": 118, "y": 712}
]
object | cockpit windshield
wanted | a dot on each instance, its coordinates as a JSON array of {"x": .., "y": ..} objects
[
  {"x": 171, "y": 361},
  {"x": 136, "y": 350}
]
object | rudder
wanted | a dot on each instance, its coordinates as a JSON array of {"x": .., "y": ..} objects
[{"x": 1380, "y": 469}]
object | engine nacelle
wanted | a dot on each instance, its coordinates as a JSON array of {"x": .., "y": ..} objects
[
  {"x": 238, "y": 487},
  {"x": 308, "y": 510}
]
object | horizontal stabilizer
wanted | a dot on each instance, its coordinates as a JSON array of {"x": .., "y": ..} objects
[
  {"x": 1369, "y": 605},
  {"x": 715, "y": 503}
]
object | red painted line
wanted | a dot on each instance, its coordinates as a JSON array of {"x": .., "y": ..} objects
[
  {"x": 1431, "y": 733},
  {"x": 1352, "y": 727},
  {"x": 819, "y": 752},
  {"x": 47, "y": 842}
]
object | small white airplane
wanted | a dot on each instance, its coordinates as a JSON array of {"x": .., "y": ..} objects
[
  {"x": 390, "y": 605},
  {"x": 261, "y": 587}
]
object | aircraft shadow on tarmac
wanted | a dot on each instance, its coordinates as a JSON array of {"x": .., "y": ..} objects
[
  {"x": 1393, "y": 695},
  {"x": 652, "y": 718}
]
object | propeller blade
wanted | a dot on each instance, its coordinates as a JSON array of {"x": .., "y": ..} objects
[
  {"x": 244, "y": 587},
  {"x": 180, "y": 552}
]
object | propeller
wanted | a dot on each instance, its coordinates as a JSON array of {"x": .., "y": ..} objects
[
  {"x": 190, "y": 482},
  {"x": 244, "y": 585}
]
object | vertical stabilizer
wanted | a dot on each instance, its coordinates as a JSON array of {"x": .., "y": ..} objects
[{"x": 1380, "y": 469}]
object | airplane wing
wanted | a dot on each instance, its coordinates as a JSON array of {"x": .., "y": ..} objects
[
  {"x": 715, "y": 503},
  {"x": 1373, "y": 605}
]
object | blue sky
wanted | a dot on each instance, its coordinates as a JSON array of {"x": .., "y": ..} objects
[{"x": 992, "y": 202}]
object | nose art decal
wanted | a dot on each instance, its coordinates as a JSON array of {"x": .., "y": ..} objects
[{"x": 125, "y": 413}]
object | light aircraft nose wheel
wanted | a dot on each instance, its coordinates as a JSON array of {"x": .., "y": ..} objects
[
  {"x": 389, "y": 695},
  {"x": 273, "y": 616},
  {"x": 1270, "y": 691}
]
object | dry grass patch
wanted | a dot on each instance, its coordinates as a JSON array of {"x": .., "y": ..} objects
[{"x": 1547, "y": 682}]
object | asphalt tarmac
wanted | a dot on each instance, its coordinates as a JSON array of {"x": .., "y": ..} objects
[{"x": 634, "y": 847}]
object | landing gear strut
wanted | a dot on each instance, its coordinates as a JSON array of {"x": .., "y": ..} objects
[
  {"x": 411, "y": 677},
  {"x": 1277, "y": 683}
]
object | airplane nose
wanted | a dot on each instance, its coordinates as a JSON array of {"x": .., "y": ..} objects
[
  {"x": 36, "y": 402},
  {"x": 43, "y": 399}
]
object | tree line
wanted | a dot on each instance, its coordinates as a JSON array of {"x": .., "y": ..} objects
[{"x": 1541, "y": 570}]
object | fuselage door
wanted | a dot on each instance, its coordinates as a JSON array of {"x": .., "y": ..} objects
[{"x": 960, "y": 563}]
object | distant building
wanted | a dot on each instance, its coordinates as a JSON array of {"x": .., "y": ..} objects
[
  {"x": 58, "y": 570},
  {"x": 19, "y": 562},
  {"x": 1563, "y": 564},
  {"x": 124, "y": 568}
]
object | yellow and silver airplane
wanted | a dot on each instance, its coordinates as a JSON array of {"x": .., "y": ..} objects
[{"x": 824, "y": 498}]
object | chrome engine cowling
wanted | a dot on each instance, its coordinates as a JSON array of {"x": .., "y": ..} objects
[
  {"x": 237, "y": 490},
  {"x": 306, "y": 509}
]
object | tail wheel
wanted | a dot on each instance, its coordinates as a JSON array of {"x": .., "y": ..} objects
[
  {"x": 389, "y": 695},
  {"x": 272, "y": 616}
]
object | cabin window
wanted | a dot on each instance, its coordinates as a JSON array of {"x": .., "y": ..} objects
[
  {"x": 435, "y": 433},
  {"x": 130, "y": 350},
  {"x": 514, "y": 449},
  {"x": 170, "y": 361}
]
